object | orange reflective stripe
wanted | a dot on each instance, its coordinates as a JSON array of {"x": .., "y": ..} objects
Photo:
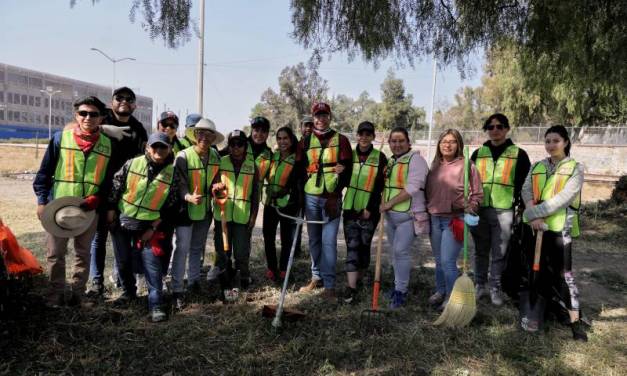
[
  {"x": 196, "y": 182},
  {"x": 400, "y": 176},
  {"x": 370, "y": 179},
  {"x": 154, "y": 203},
  {"x": 507, "y": 170},
  {"x": 483, "y": 165},
  {"x": 285, "y": 174},
  {"x": 132, "y": 188},
  {"x": 69, "y": 166},
  {"x": 536, "y": 187},
  {"x": 246, "y": 184},
  {"x": 332, "y": 154},
  {"x": 100, "y": 162},
  {"x": 313, "y": 163}
]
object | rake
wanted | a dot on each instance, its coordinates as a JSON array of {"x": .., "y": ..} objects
[
  {"x": 277, "y": 311},
  {"x": 371, "y": 317}
]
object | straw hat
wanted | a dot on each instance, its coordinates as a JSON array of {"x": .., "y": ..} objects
[
  {"x": 64, "y": 218},
  {"x": 207, "y": 125}
]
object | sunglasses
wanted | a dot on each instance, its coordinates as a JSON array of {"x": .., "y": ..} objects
[
  {"x": 237, "y": 143},
  {"x": 92, "y": 114},
  {"x": 169, "y": 124},
  {"x": 490, "y": 127},
  {"x": 121, "y": 99}
]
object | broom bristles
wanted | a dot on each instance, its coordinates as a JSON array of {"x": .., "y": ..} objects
[{"x": 461, "y": 307}]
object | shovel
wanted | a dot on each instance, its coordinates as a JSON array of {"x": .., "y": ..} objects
[
  {"x": 278, "y": 311},
  {"x": 532, "y": 304},
  {"x": 371, "y": 316}
]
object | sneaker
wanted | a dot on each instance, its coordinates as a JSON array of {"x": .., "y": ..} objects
[
  {"x": 271, "y": 275},
  {"x": 350, "y": 295},
  {"x": 329, "y": 294},
  {"x": 398, "y": 299},
  {"x": 141, "y": 285},
  {"x": 178, "y": 301},
  {"x": 481, "y": 291},
  {"x": 214, "y": 273},
  {"x": 496, "y": 296},
  {"x": 231, "y": 295},
  {"x": 124, "y": 300},
  {"x": 436, "y": 299},
  {"x": 157, "y": 315},
  {"x": 579, "y": 331},
  {"x": 311, "y": 286},
  {"x": 113, "y": 278}
]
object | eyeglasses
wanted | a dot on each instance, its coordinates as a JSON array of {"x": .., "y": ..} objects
[
  {"x": 490, "y": 127},
  {"x": 121, "y": 98},
  {"x": 203, "y": 133},
  {"x": 92, "y": 114},
  {"x": 237, "y": 143}
]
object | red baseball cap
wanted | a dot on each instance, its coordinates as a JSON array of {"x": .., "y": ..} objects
[{"x": 320, "y": 107}]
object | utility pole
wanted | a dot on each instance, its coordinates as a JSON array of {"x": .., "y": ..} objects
[
  {"x": 435, "y": 68},
  {"x": 50, "y": 91},
  {"x": 201, "y": 58},
  {"x": 114, "y": 61}
]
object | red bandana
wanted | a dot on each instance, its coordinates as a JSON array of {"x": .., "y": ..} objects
[{"x": 85, "y": 140}]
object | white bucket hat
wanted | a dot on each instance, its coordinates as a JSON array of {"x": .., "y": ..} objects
[
  {"x": 207, "y": 125},
  {"x": 64, "y": 218}
]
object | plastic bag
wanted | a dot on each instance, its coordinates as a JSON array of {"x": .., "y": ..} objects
[{"x": 19, "y": 261}]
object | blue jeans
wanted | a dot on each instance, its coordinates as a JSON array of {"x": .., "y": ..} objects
[
  {"x": 322, "y": 240},
  {"x": 154, "y": 267},
  {"x": 445, "y": 250},
  {"x": 125, "y": 258},
  {"x": 190, "y": 240},
  {"x": 99, "y": 250}
]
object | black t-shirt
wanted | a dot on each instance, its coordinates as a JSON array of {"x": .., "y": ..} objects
[{"x": 128, "y": 147}]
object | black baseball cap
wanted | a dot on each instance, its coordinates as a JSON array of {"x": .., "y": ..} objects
[
  {"x": 260, "y": 122},
  {"x": 124, "y": 90},
  {"x": 237, "y": 135},
  {"x": 169, "y": 115},
  {"x": 365, "y": 126}
]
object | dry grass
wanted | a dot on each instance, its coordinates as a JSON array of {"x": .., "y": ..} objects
[
  {"x": 14, "y": 159},
  {"x": 211, "y": 338}
]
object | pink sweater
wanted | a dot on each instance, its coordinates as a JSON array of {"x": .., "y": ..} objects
[{"x": 445, "y": 188}]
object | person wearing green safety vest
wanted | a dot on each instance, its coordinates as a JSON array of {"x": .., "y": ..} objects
[
  {"x": 76, "y": 164},
  {"x": 552, "y": 194},
  {"x": 235, "y": 188},
  {"x": 324, "y": 163},
  {"x": 169, "y": 124},
  {"x": 144, "y": 199},
  {"x": 503, "y": 167},
  {"x": 196, "y": 166},
  {"x": 361, "y": 207},
  {"x": 280, "y": 193},
  {"x": 403, "y": 205},
  {"x": 257, "y": 146}
]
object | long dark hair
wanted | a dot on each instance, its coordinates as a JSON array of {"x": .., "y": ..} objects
[
  {"x": 560, "y": 130},
  {"x": 402, "y": 130},
  {"x": 291, "y": 136},
  {"x": 460, "y": 145}
]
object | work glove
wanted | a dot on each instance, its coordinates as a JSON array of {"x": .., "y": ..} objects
[
  {"x": 116, "y": 132},
  {"x": 90, "y": 203},
  {"x": 155, "y": 243}
]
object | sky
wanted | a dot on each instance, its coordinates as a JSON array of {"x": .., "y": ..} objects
[{"x": 247, "y": 44}]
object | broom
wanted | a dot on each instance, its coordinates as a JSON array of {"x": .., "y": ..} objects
[{"x": 461, "y": 306}]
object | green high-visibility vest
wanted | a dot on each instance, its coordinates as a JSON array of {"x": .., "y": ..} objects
[
  {"x": 142, "y": 199},
  {"x": 546, "y": 188},
  {"x": 362, "y": 181},
  {"x": 79, "y": 175},
  {"x": 178, "y": 145},
  {"x": 280, "y": 171},
  {"x": 497, "y": 178},
  {"x": 186, "y": 142},
  {"x": 239, "y": 188},
  {"x": 396, "y": 180},
  {"x": 321, "y": 165},
  {"x": 200, "y": 178}
]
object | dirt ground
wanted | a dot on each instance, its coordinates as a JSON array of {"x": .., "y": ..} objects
[{"x": 211, "y": 338}]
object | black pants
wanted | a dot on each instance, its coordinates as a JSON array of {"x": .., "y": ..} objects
[
  {"x": 271, "y": 219},
  {"x": 358, "y": 234}
]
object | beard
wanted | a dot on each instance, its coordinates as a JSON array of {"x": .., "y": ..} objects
[{"x": 123, "y": 113}]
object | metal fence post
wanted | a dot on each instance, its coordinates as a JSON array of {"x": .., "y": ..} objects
[{"x": 37, "y": 145}]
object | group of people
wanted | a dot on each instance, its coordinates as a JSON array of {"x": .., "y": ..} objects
[{"x": 157, "y": 196}]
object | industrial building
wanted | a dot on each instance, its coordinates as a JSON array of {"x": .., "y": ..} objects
[{"x": 24, "y": 108}]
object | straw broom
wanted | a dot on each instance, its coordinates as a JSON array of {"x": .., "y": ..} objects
[{"x": 461, "y": 306}]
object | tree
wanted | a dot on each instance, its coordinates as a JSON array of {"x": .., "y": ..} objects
[
  {"x": 299, "y": 87},
  {"x": 396, "y": 108}
]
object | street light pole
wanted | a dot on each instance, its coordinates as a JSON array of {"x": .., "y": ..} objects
[
  {"x": 201, "y": 57},
  {"x": 50, "y": 91},
  {"x": 112, "y": 60}
]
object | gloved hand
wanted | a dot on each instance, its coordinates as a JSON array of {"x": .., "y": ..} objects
[
  {"x": 116, "y": 132},
  {"x": 90, "y": 203},
  {"x": 155, "y": 243},
  {"x": 331, "y": 207}
]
